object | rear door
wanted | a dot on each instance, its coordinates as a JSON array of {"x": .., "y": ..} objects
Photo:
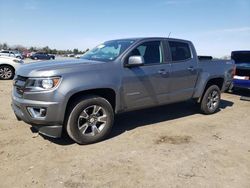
[
  {"x": 147, "y": 85},
  {"x": 183, "y": 70}
]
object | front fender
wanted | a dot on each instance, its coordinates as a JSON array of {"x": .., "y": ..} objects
[{"x": 80, "y": 82}]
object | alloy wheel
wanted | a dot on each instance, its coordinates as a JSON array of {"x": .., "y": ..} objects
[
  {"x": 92, "y": 120},
  {"x": 5, "y": 73},
  {"x": 213, "y": 100}
]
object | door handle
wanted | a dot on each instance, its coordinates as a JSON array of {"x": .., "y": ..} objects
[{"x": 190, "y": 68}]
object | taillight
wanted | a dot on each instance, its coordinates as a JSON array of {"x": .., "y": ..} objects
[{"x": 234, "y": 70}]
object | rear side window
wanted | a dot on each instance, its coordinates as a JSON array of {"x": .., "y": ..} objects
[{"x": 179, "y": 50}]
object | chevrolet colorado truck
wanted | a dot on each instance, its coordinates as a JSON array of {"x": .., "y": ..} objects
[{"x": 82, "y": 96}]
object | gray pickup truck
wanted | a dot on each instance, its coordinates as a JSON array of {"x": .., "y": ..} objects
[{"x": 81, "y": 96}]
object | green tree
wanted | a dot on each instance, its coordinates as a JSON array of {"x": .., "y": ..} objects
[
  {"x": 46, "y": 49},
  {"x": 75, "y": 51},
  {"x": 32, "y": 49},
  {"x": 5, "y": 46},
  {"x": 54, "y": 51}
]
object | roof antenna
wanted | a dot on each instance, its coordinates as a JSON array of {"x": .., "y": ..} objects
[{"x": 169, "y": 34}]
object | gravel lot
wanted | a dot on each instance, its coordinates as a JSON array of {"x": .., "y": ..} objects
[{"x": 171, "y": 146}]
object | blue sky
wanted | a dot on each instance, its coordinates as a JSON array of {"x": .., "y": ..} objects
[{"x": 216, "y": 27}]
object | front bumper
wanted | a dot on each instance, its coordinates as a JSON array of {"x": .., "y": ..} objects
[{"x": 50, "y": 125}]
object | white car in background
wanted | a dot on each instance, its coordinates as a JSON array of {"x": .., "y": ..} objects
[
  {"x": 78, "y": 56},
  {"x": 8, "y": 67},
  {"x": 10, "y": 53}
]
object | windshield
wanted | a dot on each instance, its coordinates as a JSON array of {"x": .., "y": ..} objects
[
  {"x": 108, "y": 51},
  {"x": 241, "y": 57}
]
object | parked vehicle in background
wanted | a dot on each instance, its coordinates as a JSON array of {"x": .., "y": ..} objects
[
  {"x": 26, "y": 54},
  {"x": 71, "y": 55},
  {"x": 82, "y": 96},
  {"x": 10, "y": 53},
  {"x": 78, "y": 56},
  {"x": 42, "y": 55},
  {"x": 242, "y": 72},
  {"x": 8, "y": 67},
  {"x": 30, "y": 54}
]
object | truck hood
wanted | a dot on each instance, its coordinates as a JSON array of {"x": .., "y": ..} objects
[{"x": 55, "y": 68}]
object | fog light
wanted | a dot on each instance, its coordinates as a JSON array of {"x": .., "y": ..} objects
[{"x": 37, "y": 112}]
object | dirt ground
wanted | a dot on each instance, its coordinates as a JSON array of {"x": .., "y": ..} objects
[{"x": 171, "y": 146}]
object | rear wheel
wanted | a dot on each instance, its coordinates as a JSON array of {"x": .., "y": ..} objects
[
  {"x": 211, "y": 100},
  {"x": 6, "y": 72},
  {"x": 90, "y": 120}
]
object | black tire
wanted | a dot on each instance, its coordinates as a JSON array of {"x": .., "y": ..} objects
[
  {"x": 205, "y": 106},
  {"x": 4, "y": 75},
  {"x": 75, "y": 112}
]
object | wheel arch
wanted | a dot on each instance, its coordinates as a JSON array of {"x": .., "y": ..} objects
[
  {"x": 218, "y": 81},
  {"x": 5, "y": 64},
  {"x": 107, "y": 93}
]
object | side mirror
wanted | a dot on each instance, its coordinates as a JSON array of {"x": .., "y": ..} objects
[{"x": 134, "y": 61}]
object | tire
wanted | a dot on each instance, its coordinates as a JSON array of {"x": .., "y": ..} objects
[
  {"x": 211, "y": 100},
  {"x": 90, "y": 119},
  {"x": 35, "y": 58},
  {"x": 6, "y": 72}
]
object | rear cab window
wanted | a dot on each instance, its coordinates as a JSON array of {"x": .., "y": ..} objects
[{"x": 180, "y": 51}]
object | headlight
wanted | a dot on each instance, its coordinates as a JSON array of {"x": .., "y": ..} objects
[{"x": 41, "y": 84}]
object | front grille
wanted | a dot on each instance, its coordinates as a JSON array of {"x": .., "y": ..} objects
[{"x": 19, "y": 84}]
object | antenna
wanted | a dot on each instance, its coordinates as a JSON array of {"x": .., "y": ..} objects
[{"x": 169, "y": 34}]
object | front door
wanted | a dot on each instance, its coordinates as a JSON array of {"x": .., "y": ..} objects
[{"x": 146, "y": 85}]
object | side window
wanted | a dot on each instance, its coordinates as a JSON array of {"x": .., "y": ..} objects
[
  {"x": 150, "y": 51},
  {"x": 179, "y": 51}
]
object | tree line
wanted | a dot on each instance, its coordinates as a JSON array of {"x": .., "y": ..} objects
[{"x": 46, "y": 49}]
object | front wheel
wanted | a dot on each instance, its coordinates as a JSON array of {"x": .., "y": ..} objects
[
  {"x": 211, "y": 100},
  {"x": 6, "y": 72},
  {"x": 90, "y": 120}
]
